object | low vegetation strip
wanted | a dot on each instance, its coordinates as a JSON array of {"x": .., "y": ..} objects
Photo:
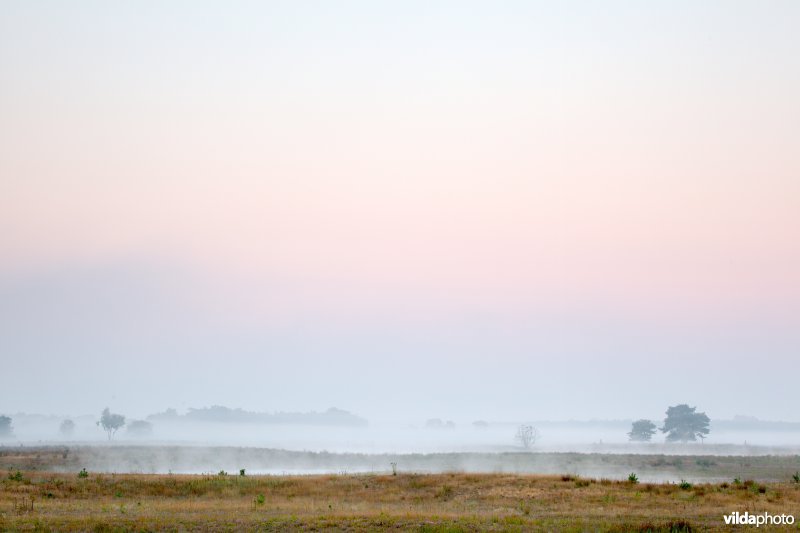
[
  {"x": 199, "y": 459},
  {"x": 424, "y": 502}
]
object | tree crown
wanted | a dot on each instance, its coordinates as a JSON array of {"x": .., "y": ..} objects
[{"x": 684, "y": 424}]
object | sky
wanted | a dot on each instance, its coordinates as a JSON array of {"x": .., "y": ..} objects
[{"x": 407, "y": 209}]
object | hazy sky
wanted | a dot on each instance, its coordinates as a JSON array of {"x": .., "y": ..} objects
[{"x": 500, "y": 210}]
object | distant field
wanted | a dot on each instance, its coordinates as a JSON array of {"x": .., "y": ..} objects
[
  {"x": 199, "y": 459},
  {"x": 46, "y": 501},
  {"x": 42, "y": 490}
]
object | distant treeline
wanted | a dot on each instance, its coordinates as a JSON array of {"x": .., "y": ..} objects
[
  {"x": 748, "y": 423},
  {"x": 219, "y": 413},
  {"x": 739, "y": 423}
]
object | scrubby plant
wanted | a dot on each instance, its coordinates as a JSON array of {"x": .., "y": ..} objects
[
  {"x": 796, "y": 477},
  {"x": 67, "y": 428},
  {"x": 241, "y": 472},
  {"x": 445, "y": 493},
  {"x": 747, "y": 484},
  {"x": 524, "y": 507},
  {"x": 685, "y": 485},
  {"x": 83, "y": 474},
  {"x": 633, "y": 478}
]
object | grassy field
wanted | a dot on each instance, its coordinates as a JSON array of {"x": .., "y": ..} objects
[
  {"x": 59, "y": 501},
  {"x": 424, "y": 502}
]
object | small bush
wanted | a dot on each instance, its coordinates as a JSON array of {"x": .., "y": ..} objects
[
  {"x": 685, "y": 485},
  {"x": 633, "y": 478},
  {"x": 445, "y": 493},
  {"x": 260, "y": 499},
  {"x": 222, "y": 473},
  {"x": 680, "y": 526},
  {"x": 16, "y": 476},
  {"x": 83, "y": 474},
  {"x": 796, "y": 477},
  {"x": 241, "y": 472}
]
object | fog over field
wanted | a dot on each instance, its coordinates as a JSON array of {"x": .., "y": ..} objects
[
  {"x": 352, "y": 219},
  {"x": 348, "y": 433}
]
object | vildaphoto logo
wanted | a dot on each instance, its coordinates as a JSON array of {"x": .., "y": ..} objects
[{"x": 762, "y": 519}]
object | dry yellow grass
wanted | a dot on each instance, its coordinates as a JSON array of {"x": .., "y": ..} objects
[{"x": 430, "y": 502}]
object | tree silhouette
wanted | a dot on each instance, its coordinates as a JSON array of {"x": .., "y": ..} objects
[
  {"x": 111, "y": 422},
  {"x": 684, "y": 424},
  {"x": 67, "y": 428},
  {"x": 5, "y": 427},
  {"x": 642, "y": 431}
]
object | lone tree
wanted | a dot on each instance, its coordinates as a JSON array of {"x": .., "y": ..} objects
[
  {"x": 111, "y": 422},
  {"x": 67, "y": 428},
  {"x": 684, "y": 424},
  {"x": 642, "y": 431},
  {"x": 527, "y": 436},
  {"x": 5, "y": 427}
]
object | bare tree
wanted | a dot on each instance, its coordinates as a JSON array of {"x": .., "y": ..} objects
[
  {"x": 111, "y": 422},
  {"x": 527, "y": 436}
]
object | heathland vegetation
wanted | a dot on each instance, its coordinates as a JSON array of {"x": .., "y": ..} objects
[{"x": 88, "y": 501}]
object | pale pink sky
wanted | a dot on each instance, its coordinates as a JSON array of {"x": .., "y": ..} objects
[{"x": 364, "y": 166}]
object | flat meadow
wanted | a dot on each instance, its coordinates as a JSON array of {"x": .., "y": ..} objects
[{"x": 38, "y": 494}]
